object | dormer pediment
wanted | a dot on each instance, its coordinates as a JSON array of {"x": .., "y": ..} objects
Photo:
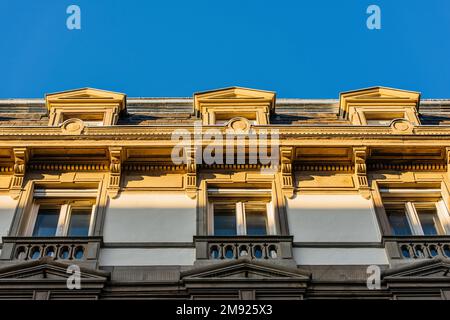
[
  {"x": 93, "y": 106},
  {"x": 379, "y": 106},
  {"x": 221, "y": 105}
]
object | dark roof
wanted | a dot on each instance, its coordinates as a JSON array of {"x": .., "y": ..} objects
[{"x": 144, "y": 111}]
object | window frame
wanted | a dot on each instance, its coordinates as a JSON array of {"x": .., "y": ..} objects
[
  {"x": 412, "y": 214},
  {"x": 240, "y": 198},
  {"x": 360, "y": 114},
  {"x": 387, "y": 117},
  {"x": 67, "y": 201},
  {"x": 90, "y": 118}
]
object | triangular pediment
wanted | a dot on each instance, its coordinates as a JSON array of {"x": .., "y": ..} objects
[
  {"x": 430, "y": 269},
  {"x": 382, "y": 96},
  {"x": 234, "y": 95},
  {"x": 85, "y": 96},
  {"x": 243, "y": 269},
  {"x": 380, "y": 93},
  {"x": 47, "y": 269}
]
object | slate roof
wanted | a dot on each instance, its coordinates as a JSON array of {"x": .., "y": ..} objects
[{"x": 146, "y": 111}]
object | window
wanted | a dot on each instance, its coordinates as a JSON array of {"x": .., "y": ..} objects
[
  {"x": 46, "y": 222},
  {"x": 62, "y": 218},
  {"x": 233, "y": 215},
  {"x": 429, "y": 220},
  {"x": 223, "y": 118},
  {"x": 399, "y": 221},
  {"x": 89, "y": 119},
  {"x": 382, "y": 118},
  {"x": 416, "y": 212},
  {"x": 225, "y": 219}
]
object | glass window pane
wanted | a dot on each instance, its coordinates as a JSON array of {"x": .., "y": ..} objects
[
  {"x": 256, "y": 219},
  {"x": 378, "y": 122},
  {"x": 399, "y": 221},
  {"x": 429, "y": 220},
  {"x": 225, "y": 219},
  {"x": 46, "y": 221},
  {"x": 79, "y": 222}
]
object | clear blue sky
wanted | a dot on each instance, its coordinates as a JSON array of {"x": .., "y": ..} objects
[{"x": 304, "y": 49}]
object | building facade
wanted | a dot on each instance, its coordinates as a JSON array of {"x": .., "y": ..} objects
[{"x": 231, "y": 194}]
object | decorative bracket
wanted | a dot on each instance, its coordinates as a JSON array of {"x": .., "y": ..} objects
[
  {"x": 286, "y": 171},
  {"x": 115, "y": 170},
  {"x": 19, "y": 168},
  {"x": 191, "y": 172},
  {"x": 360, "y": 157}
]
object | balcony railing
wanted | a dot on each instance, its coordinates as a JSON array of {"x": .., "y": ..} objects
[
  {"x": 418, "y": 247},
  {"x": 76, "y": 249},
  {"x": 252, "y": 247}
]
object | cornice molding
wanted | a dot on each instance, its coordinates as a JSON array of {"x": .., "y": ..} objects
[{"x": 120, "y": 132}]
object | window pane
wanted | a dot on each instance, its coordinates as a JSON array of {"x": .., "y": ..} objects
[
  {"x": 399, "y": 222},
  {"x": 429, "y": 220},
  {"x": 375, "y": 122},
  {"x": 225, "y": 219},
  {"x": 256, "y": 219},
  {"x": 79, "y": 222},
  {"x": 46, "y": 222}
]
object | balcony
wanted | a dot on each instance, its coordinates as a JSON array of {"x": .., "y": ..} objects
[
  {"x": 417, "y": 247},
  {"x": 268, "y": 248},
  {"x": 79, "y": 250}
]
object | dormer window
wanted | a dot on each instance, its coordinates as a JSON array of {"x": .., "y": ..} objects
[
  {"x": 379, "y": 106},
  {"x": 218, "y": 107},
  {"x": 93, "y": 107}
]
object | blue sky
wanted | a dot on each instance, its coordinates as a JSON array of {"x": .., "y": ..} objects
[{"x": 303, "y": 49}]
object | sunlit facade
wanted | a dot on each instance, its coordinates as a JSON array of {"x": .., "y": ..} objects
[{"x": 314, "y": 199}]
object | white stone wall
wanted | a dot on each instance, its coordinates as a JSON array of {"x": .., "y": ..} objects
[
  {"x": 150, "y": 217},
  {"x": 336, "y": 219},
  {"x": 7, "y": 208},
  {"x": 332, "y": 218}
]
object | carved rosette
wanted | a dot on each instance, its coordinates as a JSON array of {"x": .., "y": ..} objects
[{"x": 286, "y": 171}]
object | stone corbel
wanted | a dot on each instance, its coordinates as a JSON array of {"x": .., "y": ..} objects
[
  {"x": 19, "y": 168},
  {"x": 115, "y": 170},
  {"x": 287, "y": 185},
  {"x": 191, "y": 172},
  {"x": 360, "y": 157}
]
